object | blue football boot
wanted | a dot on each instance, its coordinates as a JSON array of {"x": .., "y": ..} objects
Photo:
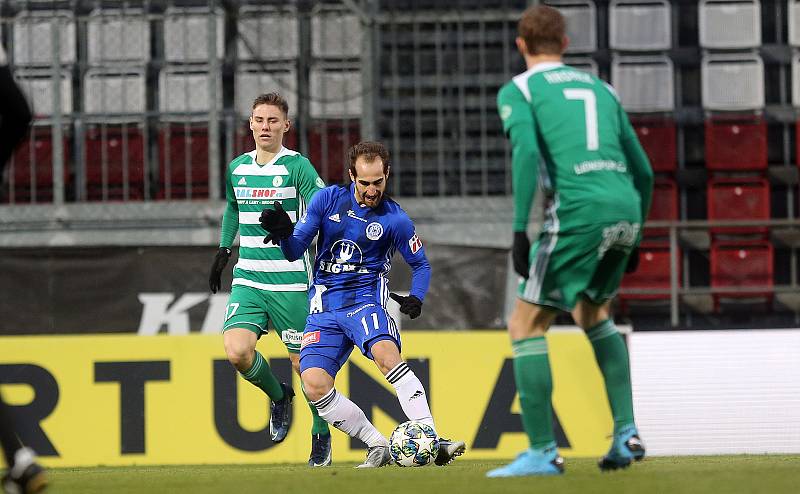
[
  {"x": 625, "y": 448},
  {"x": 280, "y": 416},
  {"x": 544, "y": 461}
]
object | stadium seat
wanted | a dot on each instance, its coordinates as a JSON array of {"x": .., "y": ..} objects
[
  {"x": 112, "y": 92},
  {"x": 644, "y": 83},
  {"x": 115, "y": 162},
  {"x": 736, "y": 143},
  {"x": 37, "y": 84},
  {"x": 742, "y": 265},
  {"x": 336, "y": 33},
  {"x": 267, "y": 33},
  {"x": 653, "y": 273},
  {"x": 33, "y": 38},
  {"x": 794, "y": 22},
  {"x": 186, "y": 34},
  {"x": 118, "y": 36},
  {"x": 729, "y": 24},
  {"x": 183, "y": 93},
  {"x": 636, "y": 25},
  {"x": 658, "y": 139},
  {"x": 335, "y": 91},
  {"x": 583, "y": 63},
  {"x": 328, "y": 143},
  {"x": 30, "y": 171},
  {"x": 732, "y": 81},
  {"x": 745, "y": 198},
  {"x": 664, "y": 206},
  {"x": 183, "y": 162}
]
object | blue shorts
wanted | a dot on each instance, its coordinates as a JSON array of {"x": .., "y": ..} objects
[{"x": 329, "y": 336}]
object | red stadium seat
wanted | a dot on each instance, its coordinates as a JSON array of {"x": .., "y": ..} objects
[
  {"x": 30, "y": 170},
  {"x": 183, "y": 162},
  {"x": 738, "y": 199},
  {"x": 664, "y": 206},
  {"x": 653, "y": 273},
  {"x": 736, "y": 143},
  {"x": 328, "y": 143},
  {"x": 657, "y": 137},
  {"x": 114, "y": 156},
  {"x": 743, "y": 265}
]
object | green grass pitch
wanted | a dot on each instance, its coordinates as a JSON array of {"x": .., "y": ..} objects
[{"x": 771, "y": 474}]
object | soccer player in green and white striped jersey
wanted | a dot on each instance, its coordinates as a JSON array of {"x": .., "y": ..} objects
[
  {"x": 568, "y": 129},
  {"x": 266, "y": 287}
]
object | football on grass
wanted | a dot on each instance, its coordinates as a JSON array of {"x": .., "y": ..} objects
[{"x": 414, "y": 444}]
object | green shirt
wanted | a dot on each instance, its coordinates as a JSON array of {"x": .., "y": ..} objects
[
  {"x": 250, "y": 188},
  {"x": 568, "y": 127}
]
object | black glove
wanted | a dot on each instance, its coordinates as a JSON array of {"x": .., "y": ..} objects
[
  {"x": 277, "y": 224},
  {"x": 633, "y": 261},
  {"x": 410, "y": 305},
  {"x": 220, "y": 260},
  {"x": 520, "y": 252}
]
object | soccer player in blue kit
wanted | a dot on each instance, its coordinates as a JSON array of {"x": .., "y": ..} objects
[{"x": 359, "y": 230}]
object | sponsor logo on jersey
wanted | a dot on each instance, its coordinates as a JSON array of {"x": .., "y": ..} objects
[
  {"x": 415, "y": 243},
  {"x": 277, "y": 181},
  {"x": 346, "y": 255},
  {"x": 310, "y": 338},
  {"x": 505, "y": 112},
  {"x": 259, "y": 192},
  {"x": 242, "y": 181},
  {"x": 292, "y": 337},
  {"x": 335, "y": 217},
  {"x": 353, "y": 215},
  {"x": 374, "y": 230},
  {"x": 320, "y": 183}
]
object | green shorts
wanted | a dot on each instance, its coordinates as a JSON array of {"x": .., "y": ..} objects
[
  {"x": 251, "y": 308},
  {"x": 588, "y": 263}
]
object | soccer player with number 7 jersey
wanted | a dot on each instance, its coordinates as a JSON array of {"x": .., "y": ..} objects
[
  {"x": 568, "y": 130},
  {"x": 359, "y": 231}
]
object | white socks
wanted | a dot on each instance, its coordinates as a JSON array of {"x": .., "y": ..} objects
[
  {"x": 410, "y": 393},
  {"x": 345, "y": 415}
]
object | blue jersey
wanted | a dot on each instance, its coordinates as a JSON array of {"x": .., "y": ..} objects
[{"x": 355, "y": 248}]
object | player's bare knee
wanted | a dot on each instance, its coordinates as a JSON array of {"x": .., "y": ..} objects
[
  {"x": 240, "y": 352},
  {"x": 386, "y": 355},
  {"x": 316, "y": 383},
  {"x": 587, "y": 314}
]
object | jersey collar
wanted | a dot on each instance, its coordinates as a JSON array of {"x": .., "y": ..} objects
[{"x": 283, "y": 152}]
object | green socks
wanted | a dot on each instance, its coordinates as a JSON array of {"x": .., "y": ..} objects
[
  {"x": 535, "y": 388},
  {"x": 318, "y": 424},
  {"x": 261, "y": 375},
  {"x": 612, "y": 357}
]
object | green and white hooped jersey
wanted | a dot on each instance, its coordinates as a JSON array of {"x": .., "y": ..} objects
[{"x": 290, "y": 179}]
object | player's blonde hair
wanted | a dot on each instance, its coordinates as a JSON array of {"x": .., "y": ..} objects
[
  {"x": 543, "y": 30},
  {"x": 369, "y": 150}
]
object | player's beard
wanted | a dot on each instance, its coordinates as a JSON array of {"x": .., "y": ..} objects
[{"x": 374, "y": 202}]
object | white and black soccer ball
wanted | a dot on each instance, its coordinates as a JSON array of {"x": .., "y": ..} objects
[{"x": 413, "y": 444}]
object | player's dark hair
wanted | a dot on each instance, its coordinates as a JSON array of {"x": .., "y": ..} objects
[
  {"x": 273, "y": 99},
  {"x": 543, "y": 30},
  {"x": 369, "y": 150}
]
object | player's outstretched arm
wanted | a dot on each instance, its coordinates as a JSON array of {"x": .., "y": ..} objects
[{"x": 408, "y": 243}]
